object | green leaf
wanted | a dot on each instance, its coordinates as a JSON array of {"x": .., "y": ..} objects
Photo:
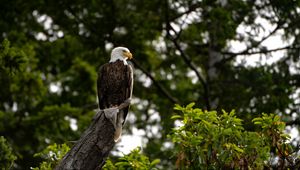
[
  {"x": 238, "y": 149},
  {"x": 154, "y": 162},
  {"x": 178, "y": 107},
  {"x": 285, "y": 136},
  {"x": 227, "y": 131},
  {"x": 176, "y": 117},
  {"x": 258, "y": 119},
  {"x": 189, "y": 106}
]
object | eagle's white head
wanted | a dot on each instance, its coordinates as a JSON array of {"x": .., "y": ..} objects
[{"x": 120, "y": 53}]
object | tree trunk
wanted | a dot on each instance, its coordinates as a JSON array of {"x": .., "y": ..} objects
[{"x": 93, "y": 147}]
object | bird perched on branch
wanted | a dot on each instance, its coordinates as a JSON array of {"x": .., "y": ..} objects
[{"x": 114, "y": 86}]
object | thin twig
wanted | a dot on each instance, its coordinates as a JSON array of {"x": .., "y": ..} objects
[
  {"x": 190, "y": 64},
  {"x": 192, "y": 8},
  {"x": 185, "y": 57},
  {"x": 246, "y": 51},
  {"x": 156, "y": 83},
  {"x": 257, "y": 52}
]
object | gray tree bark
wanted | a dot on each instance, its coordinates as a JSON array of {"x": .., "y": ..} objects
[{"x": 93, "y": 147}]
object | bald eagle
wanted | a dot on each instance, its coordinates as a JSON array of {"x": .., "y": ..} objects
[{"x": 114, "y": 86}]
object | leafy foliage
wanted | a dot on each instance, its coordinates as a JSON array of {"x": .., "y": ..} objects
[
  {"x": 52, "y": 155},
  {"x": 7, "y": 157},
  {"x": 210, "y": 140},
  {"x": 11, "y": 58},
  {"x": 134, "y": 160}
]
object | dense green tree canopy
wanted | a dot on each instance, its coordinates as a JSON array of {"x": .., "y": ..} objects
[{"x": 185, "y": 51}]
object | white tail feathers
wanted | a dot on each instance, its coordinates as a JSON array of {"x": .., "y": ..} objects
[{"x": 118, "y": 134}]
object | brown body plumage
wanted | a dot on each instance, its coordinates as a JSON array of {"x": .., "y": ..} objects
[{"x": 114, "y": 85}]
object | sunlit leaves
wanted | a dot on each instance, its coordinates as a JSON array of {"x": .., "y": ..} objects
[
  {"x": 133, "y": 161},
  {"x": 7, "y": 156},
  {"x": 269, "y": 122},
  {"x": 52, "y": 155},
  {"x": 208, "y": 139}
]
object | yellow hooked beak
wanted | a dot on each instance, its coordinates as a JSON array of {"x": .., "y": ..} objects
[{"x": 128, "y": 55}]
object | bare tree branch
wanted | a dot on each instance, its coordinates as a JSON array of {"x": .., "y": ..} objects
[
  {"x": 160, "y": 87},
  {"x": 186, "y": 58},
  {"x": 190, "y": 64},
  {"x": 93, "y": 147},
  {"x": 256, "y": 52},
  {"x": 246, "y": 51},
  {"x": 192, "y": 8},
  {"x": 81, "y": 21}
]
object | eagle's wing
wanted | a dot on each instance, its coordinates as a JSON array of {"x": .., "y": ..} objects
[
  {"x": 129, "y": 87},
  {"x": 100, "y": 95},
  {"x": 123, "y": 112}
]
